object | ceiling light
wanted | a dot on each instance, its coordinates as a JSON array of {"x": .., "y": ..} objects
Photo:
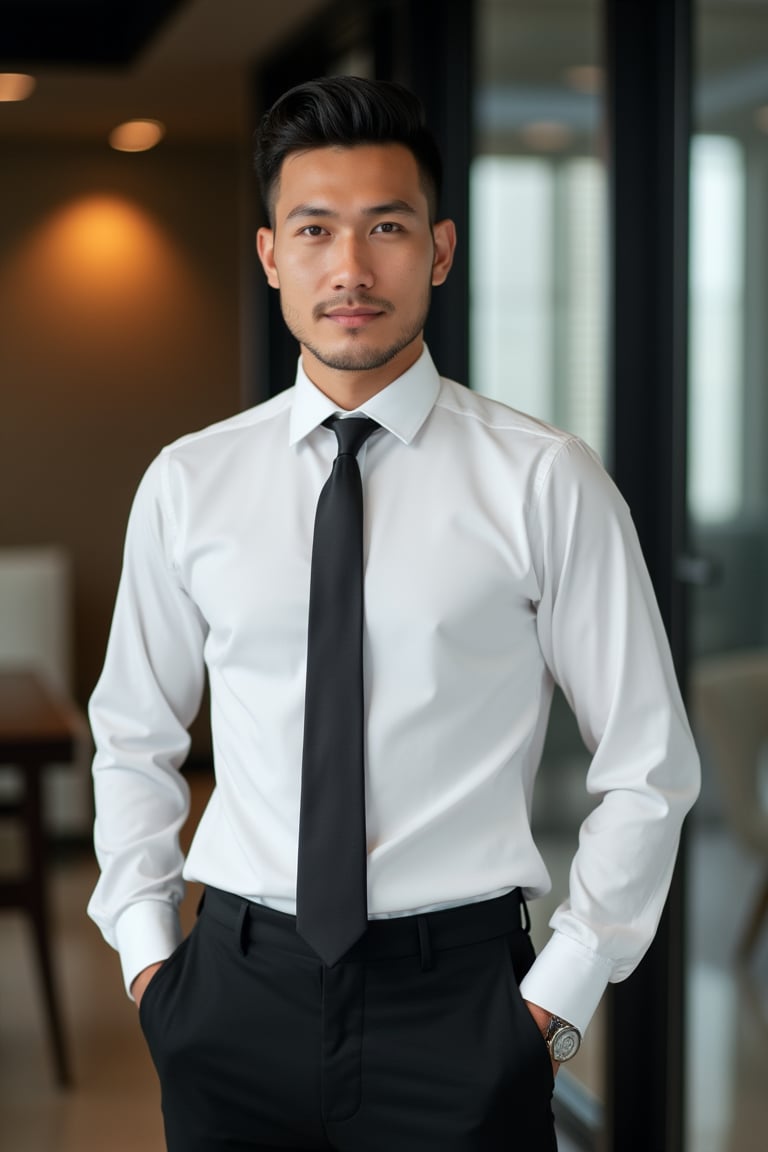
[
  {"x": 546, "y": 135},
  {"x": 16, "y": 86},
  {"x": 587, "y": 78},
  {"x": 761, "y": 118},
  {"x": 137, "y": 135}
]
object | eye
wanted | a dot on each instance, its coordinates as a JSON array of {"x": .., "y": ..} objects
[
  {"x": 312, "y": 230},
  {"x": 388, "y": 226}
]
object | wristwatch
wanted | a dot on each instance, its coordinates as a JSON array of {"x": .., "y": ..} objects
[{"x": 562, "y": 1038}]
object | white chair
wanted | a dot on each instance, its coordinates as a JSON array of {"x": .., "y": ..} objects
[
  {"x": 36, "y": 632},
  {"x": 730, "y": 710}
]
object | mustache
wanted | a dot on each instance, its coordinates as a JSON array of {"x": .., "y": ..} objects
[{"x": 377, "y": 302}]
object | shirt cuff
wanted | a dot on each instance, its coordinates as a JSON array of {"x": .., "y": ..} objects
[
  {"x": 567, "y": 980},
  {"x": 146, "y": 933}
]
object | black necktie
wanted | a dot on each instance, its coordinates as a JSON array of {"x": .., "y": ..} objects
[{"x": 331, "y": 893}]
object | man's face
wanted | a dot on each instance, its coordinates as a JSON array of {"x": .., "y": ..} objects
[{"x": 354, "y": 256}]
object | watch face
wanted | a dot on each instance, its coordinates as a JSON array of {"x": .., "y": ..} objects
[{"x": 565, "y": 1043}]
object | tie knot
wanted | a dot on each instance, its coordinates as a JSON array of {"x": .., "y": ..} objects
[{"x": 351, "y": 432}]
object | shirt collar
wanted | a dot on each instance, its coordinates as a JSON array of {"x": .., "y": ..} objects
[{"x": 401, "y": 407}]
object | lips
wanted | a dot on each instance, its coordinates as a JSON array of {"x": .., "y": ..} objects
[{"x": 353, "y": 317}]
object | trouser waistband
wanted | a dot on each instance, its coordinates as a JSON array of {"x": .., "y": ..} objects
[{"x": 400, "y": 936}]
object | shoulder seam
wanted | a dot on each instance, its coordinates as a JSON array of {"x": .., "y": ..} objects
[
  {"x": 229, "y": 424},
  {"x": 544, "y": 431},
  {"x": 556, "y": 450}
]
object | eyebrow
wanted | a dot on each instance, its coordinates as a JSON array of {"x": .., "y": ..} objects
[{"x": 390, "y": 208}]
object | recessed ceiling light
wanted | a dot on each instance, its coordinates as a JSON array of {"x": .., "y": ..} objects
[
  {"x": 586, "y": 78},
  {"x": 16, "y": 86},
  {"x": 546, "y": 135},
  {"x": 137, "y": 135}
]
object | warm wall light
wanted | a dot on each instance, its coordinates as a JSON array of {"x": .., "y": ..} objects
[
  {"x": 16, "y": 86},
  {"x": 137, "y": 135},
  {"x": 761, "y": 118},
  {"x": 98, "y": 247},
  {"x": 99, "y": 264}
]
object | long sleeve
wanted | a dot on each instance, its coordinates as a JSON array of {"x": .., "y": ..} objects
[
  {"x": 499, "y": 557},
  {"x": 148, "y": 694},
  {"x": 604, "y": 642}
]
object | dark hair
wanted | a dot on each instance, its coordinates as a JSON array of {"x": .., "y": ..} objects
[{"x": 344, "y": 111}]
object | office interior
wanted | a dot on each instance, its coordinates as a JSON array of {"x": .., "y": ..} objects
[{"x": 607, "y": 165}]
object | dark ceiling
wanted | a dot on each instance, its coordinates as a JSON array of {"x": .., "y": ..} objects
[{"x": 81, "y": 33}]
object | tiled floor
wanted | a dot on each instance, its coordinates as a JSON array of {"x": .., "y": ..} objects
[{"x": 114, "y": 1105}]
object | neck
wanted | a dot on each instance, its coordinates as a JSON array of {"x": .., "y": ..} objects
[{"x": 349, "y": 389}]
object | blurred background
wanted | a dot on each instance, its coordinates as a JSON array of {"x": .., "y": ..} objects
[{"x": 607, "y": 166}]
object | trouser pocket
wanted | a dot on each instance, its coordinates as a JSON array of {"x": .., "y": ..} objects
[
  {"x": 160, "y": 1001},
  {"x": 521, "y": 956}
]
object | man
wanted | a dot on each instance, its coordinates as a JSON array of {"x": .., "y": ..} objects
[{"x": 310, "y": 1009}]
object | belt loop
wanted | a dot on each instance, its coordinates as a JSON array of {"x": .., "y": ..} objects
[
  {"x": 425, "y": 944},
  {"x": 242, "y": 928},
  {"x": 526, "y": 917}
]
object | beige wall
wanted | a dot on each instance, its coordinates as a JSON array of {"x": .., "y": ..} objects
[{"x": 119, "y": 330}]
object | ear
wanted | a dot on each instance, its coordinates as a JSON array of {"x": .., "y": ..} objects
[
  {"x": 444, "y": 233},
  {"x": 265, "y": 246}
]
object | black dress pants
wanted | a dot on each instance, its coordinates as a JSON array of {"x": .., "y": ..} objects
[{"x": 417, "y": 1041}]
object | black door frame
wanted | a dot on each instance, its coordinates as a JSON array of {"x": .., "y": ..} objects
[{"x": 648, "y": 62}]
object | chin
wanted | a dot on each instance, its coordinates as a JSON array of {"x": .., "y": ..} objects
[{"x": 355, "y": 359}]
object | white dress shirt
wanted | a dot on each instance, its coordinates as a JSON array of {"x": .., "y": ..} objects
[{"x": 499, "y": 558}]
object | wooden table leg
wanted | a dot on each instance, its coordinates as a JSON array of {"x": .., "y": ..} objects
[{"x": 37, "y": 907}]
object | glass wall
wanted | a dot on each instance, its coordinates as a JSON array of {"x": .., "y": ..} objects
[
  {"x": 538, "y": 224},
  {"x": 727, "y": 978},
  {"x": 538, "y": 233}
]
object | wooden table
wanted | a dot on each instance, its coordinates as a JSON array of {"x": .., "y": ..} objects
[{"x": 38, "y": 727}]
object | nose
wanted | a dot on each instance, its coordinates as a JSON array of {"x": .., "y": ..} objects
[{"x": 352, "y": 266}]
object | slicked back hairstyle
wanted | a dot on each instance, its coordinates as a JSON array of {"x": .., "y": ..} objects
[{"x": 344, "y": 111}]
